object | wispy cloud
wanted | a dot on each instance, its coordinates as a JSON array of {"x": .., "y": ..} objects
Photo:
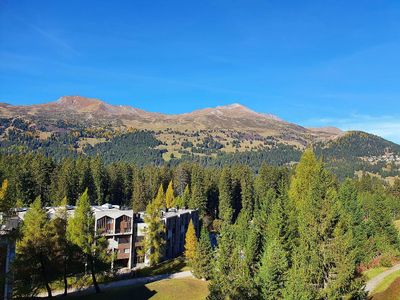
[
  {"x": 49, "y": 35},
  {"x": 54, "y": 39}
]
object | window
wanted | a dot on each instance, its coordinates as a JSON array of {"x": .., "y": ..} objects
[
  {"x": 123, "y": 240},
  {"x": 126, "y": 250}
]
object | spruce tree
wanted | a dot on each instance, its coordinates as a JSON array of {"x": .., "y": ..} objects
[
  {"x": 181, "y": 177},
  {"x": 261, "y": 214},
  {"x": 202, "y": 261},
  {"x": 273, "y": 270},
  {"x": 138, "y": 192},
  {"x": 198, "y": 199},
  {"x": 169, "y": 196},
  {"x": 247, "y": 190},
  {"x": 324, "y": 244},
  {"x": 100, "y": 180},
  {"x": 274, "y": 263},
  {"x": 225, "y": 196},
  {"x": 65, "y": 182},
  {"x": 85, "y": 176},
  {"x": 348, "y": 197},
  {"x": 81, "y": 233},
  {"x": 231, "y": 276}
]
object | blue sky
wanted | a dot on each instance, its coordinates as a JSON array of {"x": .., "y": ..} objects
[{"x": 316, "y": 63}]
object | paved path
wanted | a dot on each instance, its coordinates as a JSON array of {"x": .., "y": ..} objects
[
  {"x": 122, "y": 283},
  {"x": 374, "y": 282}
]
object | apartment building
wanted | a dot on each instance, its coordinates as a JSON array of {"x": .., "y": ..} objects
[
  {"x": 7, "y": 254},
  {"x": 176, "y": 224},
  {"x": 125, "y": 231}
]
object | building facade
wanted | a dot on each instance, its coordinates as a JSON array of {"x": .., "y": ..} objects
[
  {"x": 7, "y": 255},
  {"x": 176, "y": 223},
  {"x": 125, "y": 232}
]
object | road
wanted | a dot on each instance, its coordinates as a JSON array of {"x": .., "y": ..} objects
[
  {"x": 122, "y": 283},
  {"x": 374, "y": 282}
]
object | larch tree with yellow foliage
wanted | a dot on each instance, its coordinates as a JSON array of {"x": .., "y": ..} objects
[
  {"x": 190, "y": 243},
  {"x": 159, "y": 201},
  {"x": 154, "y": 232},
  {"x": 169, "y": 196},
  {"x": 5, "y": 202}
]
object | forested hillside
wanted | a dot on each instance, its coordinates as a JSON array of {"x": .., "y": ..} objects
[
  {"x": 302, "y": 219},
  {"x": 76, "y": 126},
  {"x": 355, "y": 151}
]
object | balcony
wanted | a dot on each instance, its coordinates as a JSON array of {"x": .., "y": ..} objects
[
  {"x": 123, "y": 225},
  {"x": 105, "y": 225}
]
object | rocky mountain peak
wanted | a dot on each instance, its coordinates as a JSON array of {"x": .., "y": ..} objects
[{"x": 77, "y": 101}]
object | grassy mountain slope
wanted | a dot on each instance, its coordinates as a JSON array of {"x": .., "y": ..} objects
[{"x": 229, "y": 134}]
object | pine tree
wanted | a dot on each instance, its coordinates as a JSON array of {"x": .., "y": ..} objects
[
  {"x": 34, "y": 250},
  {"x": 169, "y": 196},
  {"x": 202, "y": 261},
  {"x": 225, "y": 196},
  {"x": 154, "y": 232},
  {"x": 190, "y": 243},
  {"x": 81, "y": 232}
]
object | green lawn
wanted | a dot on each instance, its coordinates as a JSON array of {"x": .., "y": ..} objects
[
  {"x": 168, "y": 267},
  {"x": 385, "y": 284},
  {"x": 169, "y": 289},
  {"x": 371, "y": 273},
  {"x": 388, "y": 290}
]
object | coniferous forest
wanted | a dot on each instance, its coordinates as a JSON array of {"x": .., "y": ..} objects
[
  {"x": 282, "y": 233},
  {"x": 200, "y": 150}
]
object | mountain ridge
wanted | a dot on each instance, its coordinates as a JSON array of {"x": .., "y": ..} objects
[
  {"x": 232, "y": 116},
  {"x": 233, "y": 133}
]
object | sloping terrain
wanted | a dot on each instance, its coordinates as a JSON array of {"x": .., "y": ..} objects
[
  {"x": 235, "y": 118},
  {"x": 75, "y": 125}
]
